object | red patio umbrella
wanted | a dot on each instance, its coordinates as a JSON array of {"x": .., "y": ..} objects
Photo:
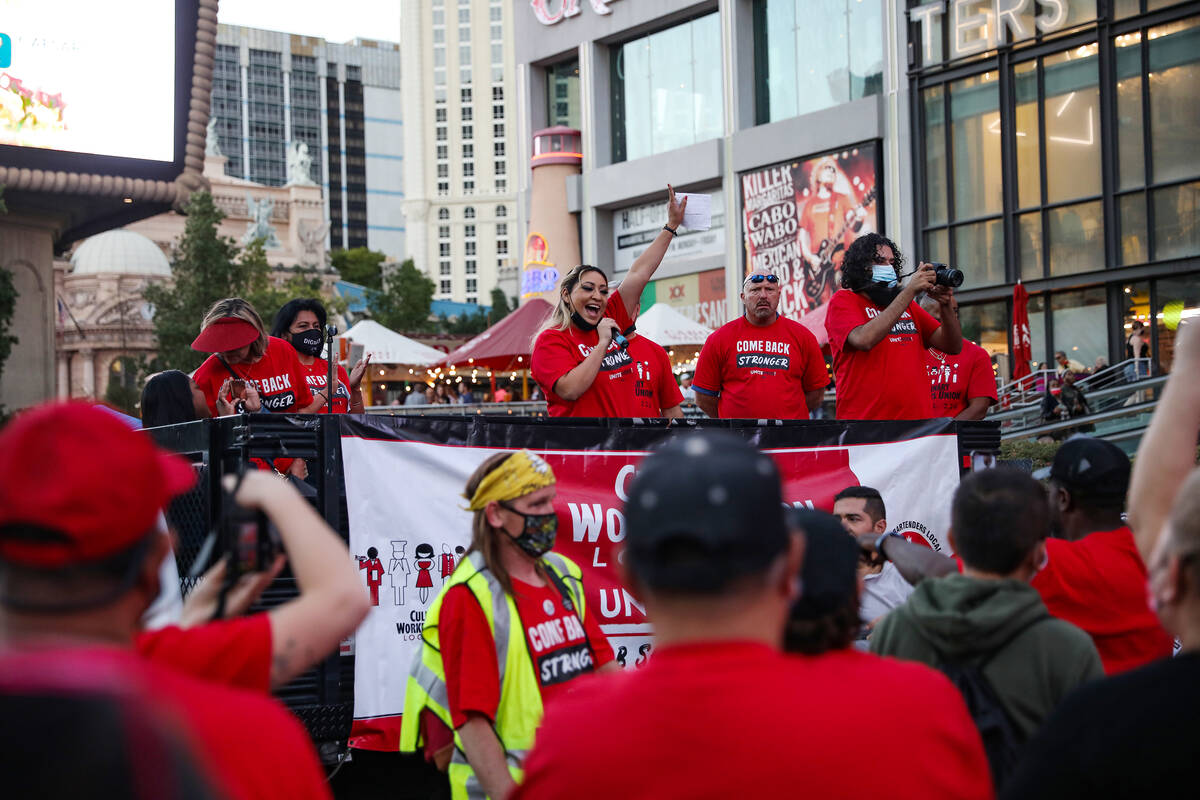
[
  {"x": 1022, "y": 341},
  {"x": 815, "y": 322},
  {"x": 507, "y": 344}
]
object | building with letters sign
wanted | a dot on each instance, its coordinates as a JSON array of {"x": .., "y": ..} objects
[
  {"x": 1054, "y": 142},
  {"x": 1050, "y": 141},
  {"x": 713, "y": 98}
]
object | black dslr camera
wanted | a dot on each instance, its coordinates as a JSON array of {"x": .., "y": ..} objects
[
  {"x": 947, "y": 275},
  {"x": 246, "y": 536}
]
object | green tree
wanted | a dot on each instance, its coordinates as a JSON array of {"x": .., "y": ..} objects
[
  {"x": 403, "y": 303},
  {"x": 469, "y": 324},
  {"x": 360, "y": 265},
  {"x": 500, "y": 306},
  {"x": 205, "y": 268}
]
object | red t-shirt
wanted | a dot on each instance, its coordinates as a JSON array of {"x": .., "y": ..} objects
[
  {"x": 655, "y": 389},
  {"x": 1098, "y": 583},
  {"x": 727, "y": 719},
  {"x": 255, "y": 749},
  {"x": 561, "y": 648},
  {"x": 889, "y": 381},
  {"x": 233, "y": 652},
  {"x": 278, "y": 375},
  {"x": 956, "y": 380},
  {"x": 316, "y": 375},
  {"x": 760, "y": 373},
  {"x": 556, "y": 352}
]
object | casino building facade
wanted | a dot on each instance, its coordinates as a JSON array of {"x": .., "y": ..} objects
[{"x": 1048, "y": 141}]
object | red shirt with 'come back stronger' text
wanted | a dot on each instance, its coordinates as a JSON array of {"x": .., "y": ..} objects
[
  {"x": 760, "y": 372},
  {"x": 278, "y": 375}
]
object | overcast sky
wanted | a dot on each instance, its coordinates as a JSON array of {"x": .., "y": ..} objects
[{"x": 337, "y": 21}]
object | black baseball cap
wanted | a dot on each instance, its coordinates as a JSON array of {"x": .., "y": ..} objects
[
  {"x": 704, "y": 510},
  {"x": 1093, "y": 466},
  {"x": 829, "y": 579}
]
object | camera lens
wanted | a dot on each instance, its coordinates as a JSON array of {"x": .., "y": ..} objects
[{"x": 949, "y": 276}]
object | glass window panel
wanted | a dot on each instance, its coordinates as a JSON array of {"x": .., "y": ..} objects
[
  {"x": 986, "y": 324},
  {"x": 1029, "y": 239},
  {"x": 708, "y": 93},
  {"x": 979, "y": 253},
  {"x": 1076, "y": 238},
  {"x": 1072, "y": 119},
  {"x": 1037, "y": 330},
  {"x": 937, "y": 246},
  {"x": 667, "y": 90},
  {"x": 975, "y": 145},
  {"x": 1175, "y": 99},
  {"x": 1081, "y": 324},
  {"x": 1134, "y": 241},
  {"x": 1178, "y": 299},
  {"x": 1126, "y": 8},
  {"x": 782, "y": 62},
  {"x": 1029, "y": 167},
  {"x": 820, "y": 53},
  {"x": 1176, "y": 221},
  {"x": 1079, "y": 12},
  {"x": 935, "y": 155},
  {"x": 1131, "y": 162}
]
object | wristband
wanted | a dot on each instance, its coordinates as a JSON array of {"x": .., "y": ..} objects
[
  {"x": 670, "y": 230},
  {"x": 879, "y": 543}
]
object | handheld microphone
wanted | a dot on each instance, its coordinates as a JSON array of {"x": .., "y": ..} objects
[{"x": 620, "y": 340}]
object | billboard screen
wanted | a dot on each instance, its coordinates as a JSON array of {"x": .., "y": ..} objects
[
  {"x": 800, "y": 216},
  {"x": 92, "y": 78}
]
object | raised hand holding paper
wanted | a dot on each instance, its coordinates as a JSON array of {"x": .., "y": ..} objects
[{"x": 697, "y": 216}]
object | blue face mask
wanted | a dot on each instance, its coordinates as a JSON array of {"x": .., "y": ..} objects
[{"x": 884, "y": 273}]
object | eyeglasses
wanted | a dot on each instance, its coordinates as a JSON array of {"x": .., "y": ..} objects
[{"x": 761, "y": 278}]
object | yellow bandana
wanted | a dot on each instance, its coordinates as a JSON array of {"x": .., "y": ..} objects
[{"x": 518, "y": 475}]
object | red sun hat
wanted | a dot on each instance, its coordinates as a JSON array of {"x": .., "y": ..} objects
[
  {"x": 225, "y": 334},
  {"x": 76, "y": 470}
]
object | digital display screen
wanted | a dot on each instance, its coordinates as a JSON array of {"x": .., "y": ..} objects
[{"x": 82, "y": 76}]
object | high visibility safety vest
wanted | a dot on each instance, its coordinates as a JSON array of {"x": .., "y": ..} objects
[{"x": 520, "y": 709}]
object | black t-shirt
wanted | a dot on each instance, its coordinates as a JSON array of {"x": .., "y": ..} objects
[{"x": 1135, "y": 735}]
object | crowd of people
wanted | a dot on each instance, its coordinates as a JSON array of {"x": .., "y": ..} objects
[{"x": 1037, "y": 661}]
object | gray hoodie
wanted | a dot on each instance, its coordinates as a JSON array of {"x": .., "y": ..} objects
[{"x": 1034, "y": 664}]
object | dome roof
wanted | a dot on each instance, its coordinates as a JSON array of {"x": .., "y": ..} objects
[{"x": 122, "y": 252}]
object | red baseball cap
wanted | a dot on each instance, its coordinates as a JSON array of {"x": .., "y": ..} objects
[
  {"x": 77, "y": 470},
  {"x": 225, "y": 334}
]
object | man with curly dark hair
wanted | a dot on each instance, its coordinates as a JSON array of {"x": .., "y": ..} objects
[{"x": 878, "y": 333}]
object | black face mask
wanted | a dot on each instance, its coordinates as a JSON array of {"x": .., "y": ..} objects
[
  {"x": 537, "y": 534},
  {"x": 308, "y": 342},
  {"x": 880, "y": 294},
  {"x": 582, "y": 323}
]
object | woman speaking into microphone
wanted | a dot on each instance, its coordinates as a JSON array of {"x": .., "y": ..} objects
[{"x": 579, "y": 358}]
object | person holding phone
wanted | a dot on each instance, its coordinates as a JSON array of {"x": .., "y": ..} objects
[{"x": 242, "y": 351}]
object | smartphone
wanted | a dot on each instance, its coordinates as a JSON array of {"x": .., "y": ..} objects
[{"x": 237, "y": 387}]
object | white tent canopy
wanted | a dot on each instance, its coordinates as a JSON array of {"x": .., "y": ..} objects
[
  {"x": 385, "y": 346},
  {"x": 666, "y": 326}
]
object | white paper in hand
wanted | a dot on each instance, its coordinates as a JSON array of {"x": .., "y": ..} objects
[{"x": 698, "y": 214}]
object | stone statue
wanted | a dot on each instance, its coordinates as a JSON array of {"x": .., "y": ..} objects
[
  {"x": 312, "y": 238},
  {"x": 299, "y": 165},
  {"x": 260, "y": 226},
  {"x": 212, "y": 146}
]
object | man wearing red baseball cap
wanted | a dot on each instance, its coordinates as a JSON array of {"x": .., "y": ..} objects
[{"x": 79, "y": 563}]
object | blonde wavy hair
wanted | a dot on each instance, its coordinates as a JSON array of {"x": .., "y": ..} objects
[
  {"x": 237, "y": 307},
  {"x": 560, "y": 318}
]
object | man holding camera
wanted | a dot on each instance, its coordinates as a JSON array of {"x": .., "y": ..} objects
[{"x": 878, "y": 333}]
